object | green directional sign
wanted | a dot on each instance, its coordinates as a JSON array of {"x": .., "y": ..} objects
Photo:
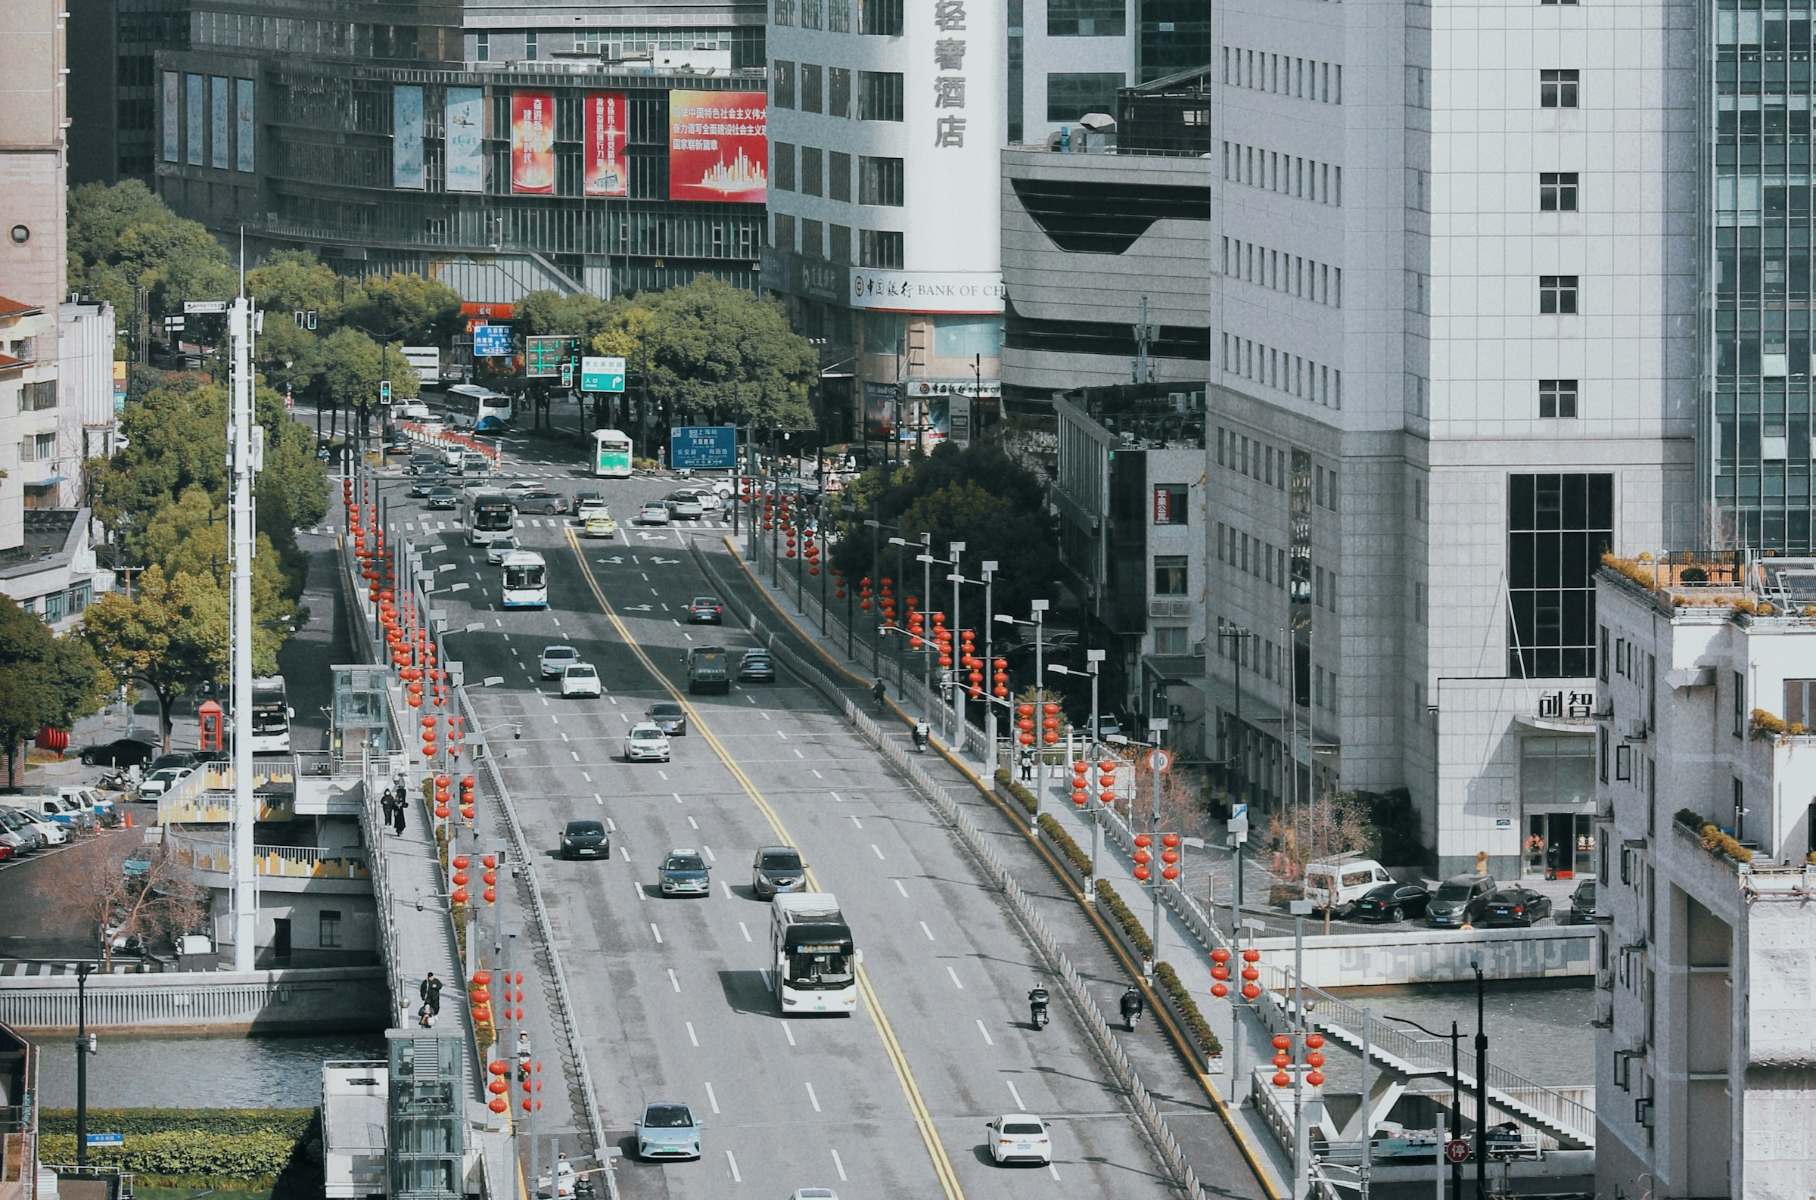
[
  {"x": 543, "y": 356},
  {"x": 601, "y": 374}
]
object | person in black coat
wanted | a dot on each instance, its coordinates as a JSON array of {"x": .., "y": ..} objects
[{"x": 430, "y": 991}]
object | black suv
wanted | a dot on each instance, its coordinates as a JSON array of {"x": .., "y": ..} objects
[{"x": 1460, "y": 900}]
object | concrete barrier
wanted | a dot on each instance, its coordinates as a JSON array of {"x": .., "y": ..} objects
[
  {"x": 255, "y": 1001},
  {"x": 1440, "y": 955}
]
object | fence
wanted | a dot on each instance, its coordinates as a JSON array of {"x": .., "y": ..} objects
[{"x": 184, "y": 997}]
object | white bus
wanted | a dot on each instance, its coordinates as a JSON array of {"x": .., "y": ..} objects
[
  {"x": 526, "y": 580},
  {"x": 489, "y": 516},
  {"x": 611, "y": 454},
  {"x": 271, "y": 715},
  {"x": 812, "y": 960},
  {"x": 479, "y": 409}
]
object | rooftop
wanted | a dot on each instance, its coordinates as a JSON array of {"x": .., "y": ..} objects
[
  {"x": 17, "y": 308},
  {"x": 1143, "y": 416},
  {"x": 49, "y": 533},
  {"x": 1720, "y": 585}
]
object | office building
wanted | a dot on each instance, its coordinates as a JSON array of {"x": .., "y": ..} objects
[
  {"x": 501, "y": 147},
  {"x": 113, "y": 96},
  {"x": 1705, "y": 765}
]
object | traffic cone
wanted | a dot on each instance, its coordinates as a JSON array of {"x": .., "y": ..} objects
[{"x": 129, "y": 820}]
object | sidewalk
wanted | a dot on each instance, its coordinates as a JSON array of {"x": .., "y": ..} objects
[{"x": 1195, "y": 1106}]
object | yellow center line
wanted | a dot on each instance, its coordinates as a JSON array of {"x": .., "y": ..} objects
[{"x": 892, "y": 1047}]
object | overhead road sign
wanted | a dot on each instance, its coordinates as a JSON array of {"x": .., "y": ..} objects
[{"x": 601, "y": 374}]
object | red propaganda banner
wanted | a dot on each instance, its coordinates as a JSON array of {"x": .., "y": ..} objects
[
  {"x": 533, "y": 143},
  {"x": 718, "y": 147},
  {"x": 486, "y": 310},
  {"x": 605, "y": 141}
]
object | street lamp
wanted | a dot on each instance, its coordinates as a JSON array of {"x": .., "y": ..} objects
[
  {"x": 1094, "y": 659},
  {"x": 1456, "y": 1103},
  {"x": 1039, "y": 608},
  {"x": 958, "y": 686},
  {"x": 1481, "y": 1064},
  {"x": 83, "y": 1050}
]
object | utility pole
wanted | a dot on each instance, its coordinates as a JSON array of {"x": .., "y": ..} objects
[
  {"x": 245, "y": 451},
  {"x": 1157, "y": 764},
  {"x": 956, "y": 549},
  {"x": 1238, "y": 824},
  {"x": 1481, "y": 1047},
  {"x": 82, "y": 973},
  {"x": 990, "y": 662}
]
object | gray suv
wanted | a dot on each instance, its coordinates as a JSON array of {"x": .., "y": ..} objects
[
  {"x": 1460, "y": 900},
  {"x": 777, "y": 869}
]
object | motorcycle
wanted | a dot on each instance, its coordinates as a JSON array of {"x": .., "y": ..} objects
[
  {"x": 921, "y": 734},
  {"x": 116, "y": 781},
  {"x": 1131, "y": 1009},
  {"x": 1037, "y": 1007}
]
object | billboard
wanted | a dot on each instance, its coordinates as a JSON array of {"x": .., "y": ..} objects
[
  {"x": 466, "y": 128},
  {"x": 879, "y": 410},
  {"x": 718, "y": 147},
  {"x": 406, "y": 138},
  {"x": 218, "y": 126},
  {"x": 533, "y": 143},
  {"x": 605, "y": 140},
  {"x": 173, "y": 114},
  {"x": 242, "y": 116},
  {"x": 195, "y": 100}
]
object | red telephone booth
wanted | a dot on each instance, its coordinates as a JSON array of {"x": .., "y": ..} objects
[{"x": 211, "y": 725}]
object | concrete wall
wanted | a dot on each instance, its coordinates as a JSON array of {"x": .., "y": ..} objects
[{"x": 1439, "y": 956}]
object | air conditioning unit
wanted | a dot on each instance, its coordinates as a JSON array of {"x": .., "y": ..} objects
[
  {"x": 1604, "y": 707},
  {"x": 1635, "y": 730}
]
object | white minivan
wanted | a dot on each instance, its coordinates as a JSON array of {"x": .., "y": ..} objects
[{"x": 1337, "y": 883}]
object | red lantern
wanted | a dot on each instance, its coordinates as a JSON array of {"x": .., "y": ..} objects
[
  {"x": 1220, "y": 990},
  {"x": 498, "y": 1105},
  {"x": 1281, "y": 1078},
  {"x": 1251, "y": 991},
  {"x": 1141, "y": 873},
  {"x": 459, "y": 895},
  {"x": 1080, "y": 796}
]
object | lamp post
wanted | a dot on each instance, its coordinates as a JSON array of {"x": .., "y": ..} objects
[
  {"x": 1481, "y": 1048},
  {"x": 956, "y": 549},
  {"x": 1039, "y": 608},
  {"x": 1456, "y": 1102},
  {"x": 960, "y": 685},
  {"x": 82, "y": 972},
  {"x": 1093, "y": 659},
  {"x": 1238, "y": 833}
]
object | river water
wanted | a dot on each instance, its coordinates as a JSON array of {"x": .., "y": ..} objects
[{"x": 194, "y": 1071}]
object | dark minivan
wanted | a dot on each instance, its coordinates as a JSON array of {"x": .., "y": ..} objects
[{"x": 1460, "y": 900}]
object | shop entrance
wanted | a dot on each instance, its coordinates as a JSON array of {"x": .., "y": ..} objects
[{"x": 1559, "y": 845}]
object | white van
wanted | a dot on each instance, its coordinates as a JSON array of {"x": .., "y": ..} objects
[
  {"x": 1337, "y": 883},
  {"x": 47, "y": 827}
]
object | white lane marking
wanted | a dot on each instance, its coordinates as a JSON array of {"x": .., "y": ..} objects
[
  {"x": 662, "y": 773},
  {"x": 728, "y": 892},
  {"x": 646, "y": 576},
  {"x": 765, "y": 716},
  {"x": 690, "y": 1033},
  {"x": 677, "y": 621},
  {"x": 696, "y": 825},
  {"x": 675, "y": 983},
  {"x": 1019, "y": 1106},
  {"x": 565, "y": 737},
  {"x": 765, "y": 975},
  {"x": 552, "y": 720},
  {"x": 710, "y": 856},
  {"x": 789, "y": 1032},
  {"x": 873, "y": 846},
  {"x": 900, "y": 888},
  {"x": 507, "y": 637},
  {"x": 752, "y": 699},
  {"x": 589, "y": 779},
  {"x": 927, "y": 931},
  {"x": 816, "y": 774},
  {"x": 609, "y": 823},
  {"x": 545, "y": 699},
  {"x": 1053, "y": 1171},
  {"x": 500, "y": 623},
  {"x": 949, "y": 971},
  {"x": 712, "y": 1099},
  {"x": 658, "y": 933},
  {"x": 859, "y": 824},
  {"x": 839, "y": 1166},
  {"x": 798, "y": 753},
  {"x": 782, "y": 734},
  {"x": 811, "y": 1098},
  {"x": 576, "y": 755},
  {"x": 654, "y": 592},
  {"x": 745, "y": 930},
  {"x": 837, "y": 799},
  {"x": 729, "y": 1158},
  {"x": 677, "y": 796},
  {"x": 557, "y": 621},
  {"x": 988, "y": 1040}
]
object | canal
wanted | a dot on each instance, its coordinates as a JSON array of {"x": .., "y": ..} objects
[{"x": 198, "y": 1071}]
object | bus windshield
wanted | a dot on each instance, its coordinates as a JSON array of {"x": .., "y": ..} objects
[
  {"x": 524, "y": 575},
  {"x": 492, "y": 516},
  {"x": 820, "y": 965}
]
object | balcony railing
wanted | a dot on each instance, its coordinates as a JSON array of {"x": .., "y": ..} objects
[{"x": 290, "y": 862}]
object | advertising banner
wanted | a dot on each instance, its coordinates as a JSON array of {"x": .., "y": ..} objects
[
  {"x": 406, "y": 138},
  {"x": 533, "y": 143},
  {"x": 466, "y": 129},
  {"x": 242, "y": 115},
  {"x": 173, "y": 114},
  {"x": 218, "y": 155},
  {"x": 718, "y": 147},
  {"x": 195, "y": 104},
  {"x": 606, "y": 136},
  {"x": 879, "y": 410}
]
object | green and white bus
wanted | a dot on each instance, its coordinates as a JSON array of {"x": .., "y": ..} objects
[{"x": 611, "y": 454}]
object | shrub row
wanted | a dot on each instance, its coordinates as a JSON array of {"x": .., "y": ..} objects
[
  {"x": 186, "y": 1153},
  {"x": 1188, "y": 1009},
  {"x": 1022, "y": 795},
  {"x": 1078, "y": 858},
  {"x": 221, "y": 1122},
  {"x": 1131, "y": 925},
  {"x": 1713, "y": 839}
]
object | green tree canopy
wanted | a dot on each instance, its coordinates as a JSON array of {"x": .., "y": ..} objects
[
  {"x": 549, "y": 313},
  {"x": 350, "y": 365},
  {"x": 407, "y": 309},
  {"x": 123, "y": 237},
  {"x": 44, "y": 679}
]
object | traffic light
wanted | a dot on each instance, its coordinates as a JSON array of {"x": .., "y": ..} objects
[{"x": 384, "y": 391}]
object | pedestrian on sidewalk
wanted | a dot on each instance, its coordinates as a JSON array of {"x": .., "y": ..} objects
[
  {"x": 1027, "y": 764},
  {"x": 430, "y": 991},
  {"x": 1147, "y": 969},
  {"x": 397, "y": 816},
  {"x": 385, "y": 802}
]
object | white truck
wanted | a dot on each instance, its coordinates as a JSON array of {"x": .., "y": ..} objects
[{"x": 813, "y": 963}]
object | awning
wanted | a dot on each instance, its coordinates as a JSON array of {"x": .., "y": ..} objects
[{"x": 1578, "y": 726}]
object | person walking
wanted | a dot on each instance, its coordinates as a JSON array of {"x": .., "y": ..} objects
[
  {"x": 397, "y": 816},
  {"x": 385, "y": 802},
  {"x": 430, "y": 991},
  {"x": 1027, "y": 764},
  {"x": 878, "y": 690}
]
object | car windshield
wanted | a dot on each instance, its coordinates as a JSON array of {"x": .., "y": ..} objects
[
  {"x": 685, "y": 862},
  {"x": 585, "y": 829},
  {"x": 756, "y": 656},
  {"x": 554, "y": 652},
  {"x": 666, "y": 708},
  {"x": 581, "y": 672},
  {"x": 667, "y": 1116},
  {"x": 1454, "y": 891},
  {"x": 706, "y": 601},
  {"x": 1585, "y": 893},
  {"x": 646, "y": 735},
  {"x": 1022, "y": 1129},
  {"x": 781, "y": 860}
]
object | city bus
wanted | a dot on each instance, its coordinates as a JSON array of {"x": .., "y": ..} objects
[
  {"x": 271, "y": 715},
  {"x": 526, "y": 580},
  {"x": 487, "y": 515},
  {"x": 611, "y": 454},
  {"x": 479, "y": 409},
  {"x": 812, "y": 958}
]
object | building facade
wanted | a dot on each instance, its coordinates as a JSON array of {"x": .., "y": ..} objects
[
  {"x": 113, "y": 99},
  {"x": 1704, "y": 774}
]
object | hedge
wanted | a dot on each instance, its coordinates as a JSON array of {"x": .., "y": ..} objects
[
  {"x": 1022, "y": 795},
  {"x": 190, "y": 1147},
  {"x": 1131, "y": 925},
  {"x": 1713, "y": 839},
  {"x": 138, "y": 1122},
  {"x": 1078, "y": 858},
  {"x": 1188, "y": 1009}
]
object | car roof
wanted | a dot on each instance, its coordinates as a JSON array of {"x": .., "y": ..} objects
[
  {"x": 1021, "y": 1117},
  {"x": 706, "y": 599},
  {"x": 666, "y": 706},
  {"x": 561, "y": 646},
  {"x": 572, "y": 668},
  {"x": 683, "y": 850},
  {"x": 646, "y": 727}
]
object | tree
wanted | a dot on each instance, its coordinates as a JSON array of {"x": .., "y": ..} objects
[
  {"x": 409, "y": 309},
  {"x": 123, "y": 237},
  {"x": 44, "y": 680},
  {"x": 349, "y": 365},
  {"x": 189, "y": 537},
  {"x": 293, "y": 487},
  {"x": 177, "y": 439},
  {"x": 550, "y": 313},
  {"x": 124, "y": 894}
]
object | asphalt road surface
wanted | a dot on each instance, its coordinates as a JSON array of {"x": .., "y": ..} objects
[{"x": 672, "y": 996}]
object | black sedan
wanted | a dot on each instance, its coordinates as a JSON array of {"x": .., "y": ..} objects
[
  {"x": 585, "y": 839},
  {"x": 122, "y": 752},
  {"x": 422, "y": 485},
  {"x": 442, "y": 497},
  {"x": 669, "y": 717},
  {"x": 1392, "y": 902},
  {"x": 1516, "y": 906},
  {"x": 1582, "y": 904}
]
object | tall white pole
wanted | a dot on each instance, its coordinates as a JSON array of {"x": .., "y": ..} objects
[{"x": 242, "y": 461}]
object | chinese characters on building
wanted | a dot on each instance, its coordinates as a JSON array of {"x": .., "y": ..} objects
[
  {"x": 949, "y": 89},
  {"x": 1559, "y": 705}
]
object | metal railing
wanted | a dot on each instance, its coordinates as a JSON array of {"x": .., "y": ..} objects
[
  {"x": 295, "y": 862},
  {"x": 49, "y": 1002}
]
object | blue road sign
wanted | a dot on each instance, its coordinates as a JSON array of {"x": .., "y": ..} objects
[
  {"x": 702, "y": 447},
  {"x": 493, "y": 341},
  {"x": 107, "y": 1139}
]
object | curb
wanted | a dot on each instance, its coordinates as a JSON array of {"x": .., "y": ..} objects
[{"x": 1181, "y": 1044}]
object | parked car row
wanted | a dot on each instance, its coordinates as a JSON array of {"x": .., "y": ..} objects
[{"x": 1364, "y": 890}]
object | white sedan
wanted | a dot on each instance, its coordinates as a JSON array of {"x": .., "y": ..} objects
[
  {"x": 646, "y": 743},
  {"x": 499, "y": 547},
  {"x": 653, "y": 514},
  {"x": 1019, "y": 1137},
  {"x": 580, "y": 679}
]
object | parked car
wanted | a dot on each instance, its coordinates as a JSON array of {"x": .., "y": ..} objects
[
  {"x": 708, "y": 499},
  {"x": 684, "y": 873},
  {"x": 652, "y": 514},
  {"x": 121, "y": 752},
  {"x": 1019, "y": 1137},
  {"x": 1391, "y": 902},
  {"x": 52, "y": 833},
  {"x": 646, "y": 743},
  {"x": 667, "y": 1129},
  {"x": 442, "y": 496},
  {"x": 683, "y": 506},
  {"x": 409, "y": 410},
  {"x": 777, "y": 869},
  {"x": 706, "y": 610},
  {"x": 585, "y": 839},
  {"x": 501, "y": 546},
  {"x": 6, "y": 850},
  {"x": 176, "y": 758},
  {"x": 580, "y": 679},
  {"x": 669, "y": 717},
  {"x": 1336, "y": 883},
  {"x": 1582, "y": 904},
  {"x": 161, "y": 781},
  {"x": 556, "y": 659},
  {"x": 1516, "y": 905},
  {"x": 1460, "y": 900},
  {"x": 19, "y": 833},
  {"x": 757, "y": 667},
  {"x": 540, "y": 499}
]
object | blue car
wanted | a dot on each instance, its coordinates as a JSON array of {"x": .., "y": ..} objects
[{"x": 685, "y": 873}]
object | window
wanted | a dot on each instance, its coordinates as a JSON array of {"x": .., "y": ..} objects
[
  {"x": 880, "y": 248},
  {"x": 1740, "y": 702},
  {"x": 1170, "y": 574},
  {"x": 1557, "y": 399},
  {"x": 1070, "y": 95},
  {"x": 1557, "y": 89},
  {"x": 1086, "y": 18},
  {"x": 785, "y": 232},
  {"x": 36, "y": 397},
  {"x": 880, "y": 182},
  {"x": 1558, "y": 528},
  {"x": 1557, "y": 1},
  {"x": 810, "y": 86},
  {"x": 782, "y": 165},
  {"x": 1170, "y": 501},
  {"x": 782, "y": 84},
  {"x": 838, "y": 18},
  {"x": 838, "y": 92},
  {"x": 482, "y": 47},
  {"x": 1557, "y": 294},
  {"x": 331, "y": 929},
  {"x": 880, "y": 17},
  {"x": 813, "y": 180},
  {"x": 813, "y": 243},
  {"x": 1799, "y": 696},
  {"x": 53, "y": 608},
  {"x": 838, "y": 175},
  {"x": 811, "y": 11},
  {"x": 40, "y": 448},
  {"x": 1602, "y": 660},
  {"x": 784, "y": 12},
  {"x": 840, "y": 248},
  {"x": 81, "y": 596},
  {"x": 1172, "y": 639},
  {"x": 529, "y": 46},
  {"x": 1557, "y": 191},
  {"x": 879, "y": 96}
]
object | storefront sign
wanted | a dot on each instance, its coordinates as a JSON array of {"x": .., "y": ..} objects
[
  {"x": 1163, "y": 506},
  {"x": 879, "y": 410},
  {"x": 927, "y": 291},
  {"x": 494, "y": 312},
  {"x": 1557, "y": 706},
  {"x": 606, "y": 138},
  {"x": 533, "y": 143},
  {"x": 718, "y": 146},
  {"x": 949, "y": 18}
]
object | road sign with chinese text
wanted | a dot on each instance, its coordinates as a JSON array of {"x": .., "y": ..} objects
[
  {"x": 702, "y": 447},
  {"x": 544, "y": 356},
  {"x": 601, "y": 374}
]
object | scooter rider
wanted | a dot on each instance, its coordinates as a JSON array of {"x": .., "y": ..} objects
[
  {"x": 1037, "y": 1007},
  {"x": 922, "y": 731},
  {"x": 1132, "y": 1006},
  {"x": 877, "y": 691}
]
